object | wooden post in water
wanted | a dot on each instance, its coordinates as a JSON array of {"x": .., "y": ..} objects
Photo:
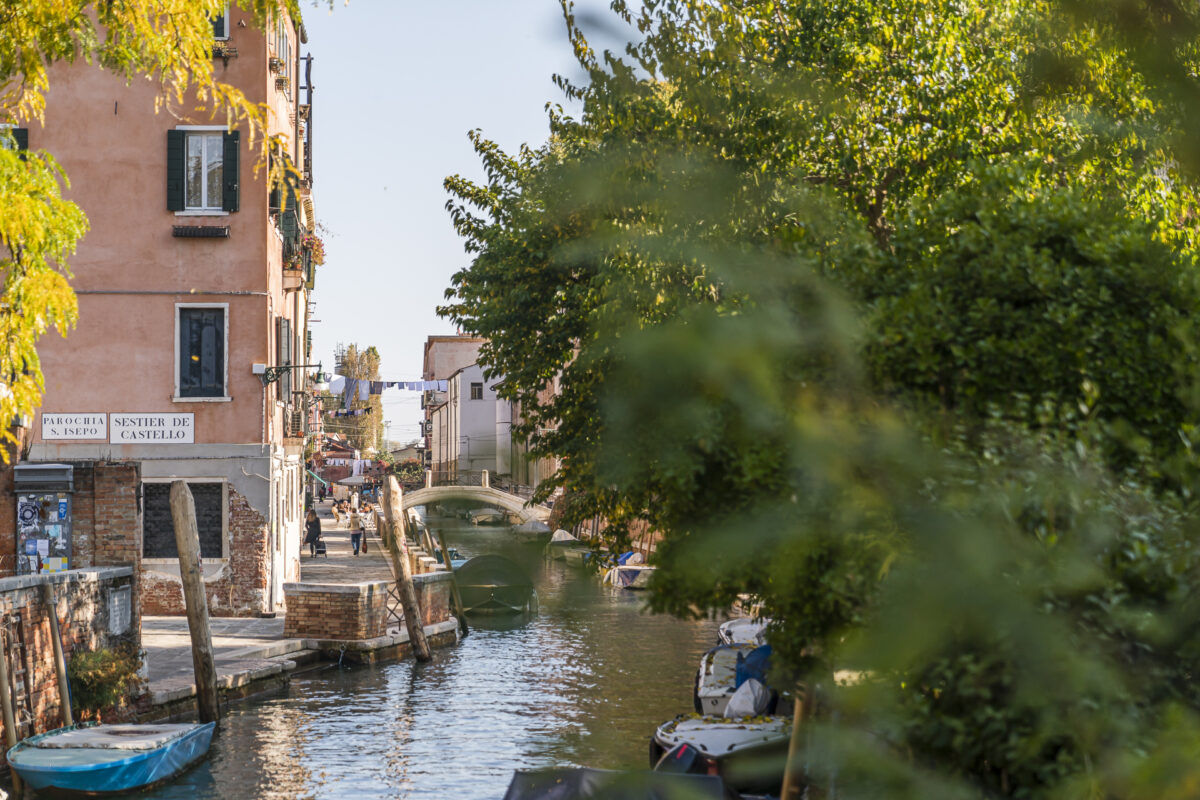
[
  {"x": 6, "y": 705},
  {"x": 460, "y": 612},
  {"x": 60, "y": 662},
  {"x": 791, "y": 778},
  {"x": 398, "y": 545},
  {"x": 187, "y": 542}
]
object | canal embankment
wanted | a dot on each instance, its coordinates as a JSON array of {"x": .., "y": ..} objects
[{"x": 342, "y": 609}]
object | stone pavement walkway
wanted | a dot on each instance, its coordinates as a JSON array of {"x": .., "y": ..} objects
[
  {"x": 250, "y": 648},
  {"x": 341, "y": 565}
]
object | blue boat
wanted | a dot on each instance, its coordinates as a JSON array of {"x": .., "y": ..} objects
[{"x": 102, "y": 759}]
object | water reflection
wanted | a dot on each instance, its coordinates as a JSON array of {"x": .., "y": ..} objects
[{"x": 584, "y": 682}]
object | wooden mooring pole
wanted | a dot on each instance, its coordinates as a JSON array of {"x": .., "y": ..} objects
[
  {"x": 454, "y": 595},
  {"x": 6, "y": 705},
  {"x": 60, "y": 661},
  {"x": 187, "y": 542},
  {"x": 398, "y": 546}
]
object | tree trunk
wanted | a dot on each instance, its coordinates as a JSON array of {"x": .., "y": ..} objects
[
  {"x": 187, "y": 542},
  {"x": 398, "y": 545}
]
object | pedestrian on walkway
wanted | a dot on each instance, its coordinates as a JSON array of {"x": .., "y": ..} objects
[
  {"x": 355, "y": 530},
  {"x": 337, "y": 514},
  {"x": 312, "y": 531}
]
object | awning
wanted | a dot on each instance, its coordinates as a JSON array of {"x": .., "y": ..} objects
[
  {"x": 318, "y": 477},
  {"x": 353, "y": 480}
]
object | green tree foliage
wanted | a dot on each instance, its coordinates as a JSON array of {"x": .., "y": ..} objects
[
  {"x": 861, "y": 311},
  {"x": 166, "y": 41},
  {"x": 364, "y": 432}
]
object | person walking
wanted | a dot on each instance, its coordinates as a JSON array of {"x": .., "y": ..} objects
[
  {"x": 312, "y": 531},
  {"x": 355, "y": 530}
]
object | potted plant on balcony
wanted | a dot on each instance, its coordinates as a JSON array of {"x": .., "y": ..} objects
[
  {"x": 315, "y": 246},
  {"x": 282, "y": 83}
]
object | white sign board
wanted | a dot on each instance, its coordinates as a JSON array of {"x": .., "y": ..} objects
[
  {"x": 74, "y": 426},
  {"x": 152, "y": 428}
]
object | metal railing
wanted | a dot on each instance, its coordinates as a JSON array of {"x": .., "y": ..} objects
[{"x": 457, "y": 477}]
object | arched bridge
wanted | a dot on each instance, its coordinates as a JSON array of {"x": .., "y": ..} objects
[{"x": 483, "y": 493}]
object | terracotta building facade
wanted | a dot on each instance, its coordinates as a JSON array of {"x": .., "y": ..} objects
[{"x": 193, "y": 289}]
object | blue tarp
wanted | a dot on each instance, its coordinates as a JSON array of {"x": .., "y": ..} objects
[{"x": 753, "y": 665}]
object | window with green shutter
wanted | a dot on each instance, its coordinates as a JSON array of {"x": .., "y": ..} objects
[
  {"x": 283, "y": 342},
  {"x": 201, "y": 351},
  {"x": 19, "y": 140},
  {"x": 202, "y": 170}
]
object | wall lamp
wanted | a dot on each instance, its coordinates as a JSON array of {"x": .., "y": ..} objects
[{"x": 269, "y": 375}]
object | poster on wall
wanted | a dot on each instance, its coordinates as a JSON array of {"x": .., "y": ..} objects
[{"x": 43, "y": 532}]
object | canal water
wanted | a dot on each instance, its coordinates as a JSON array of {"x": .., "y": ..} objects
[{"x": 584, "y": 682}]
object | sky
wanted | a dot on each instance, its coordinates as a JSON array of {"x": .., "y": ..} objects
[{"x": 397, "y": 87}]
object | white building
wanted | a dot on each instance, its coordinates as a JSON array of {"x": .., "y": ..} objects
[{"x": 463, "y": 436}]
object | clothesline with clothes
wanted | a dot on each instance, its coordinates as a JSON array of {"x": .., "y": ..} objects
[
  {"x": 351, "y": 412},
  {"x": 351, "y": 388}
]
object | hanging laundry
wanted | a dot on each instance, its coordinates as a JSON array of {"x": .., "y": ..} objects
[{"x": 377, "y": 387}]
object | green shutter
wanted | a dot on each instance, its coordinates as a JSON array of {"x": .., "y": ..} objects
[
  {"x": 289, "y": 220},
  {"x": 176, "y": 167},
  {"x": 283, "y": 343},
  {"x": 21, "y": 135},
  {"x": 229, "y": 166}
]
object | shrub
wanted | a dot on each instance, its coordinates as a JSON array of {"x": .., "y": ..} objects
[{"x": 104, "y": 678}]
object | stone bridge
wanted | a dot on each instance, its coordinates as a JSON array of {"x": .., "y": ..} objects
[{"x": 484, "y": 493}]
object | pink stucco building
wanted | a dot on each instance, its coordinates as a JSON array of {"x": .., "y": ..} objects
[{"x": 193, "y": 287}]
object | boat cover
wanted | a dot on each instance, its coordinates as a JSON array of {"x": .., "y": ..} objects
[
  {"x": 750, "y": 699},
  {"x": 744, "y": 631},
  {"x": 115, "y": 737},
  {"x": 583, "y": 783},
  {"x": 492, "y": 570},
  {"x": 753, "y": 665},
  {"x": 563, "y": 536},
  {"x": 105, "y": 769},
  {"x": 719, "y": 736}
]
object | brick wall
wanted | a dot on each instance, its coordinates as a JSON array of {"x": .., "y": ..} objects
[
  {"x": 332, "y": 611},
  {"x": 241, "y": 587},
  {"x": 83, "y": 608},
  {"x": 357, "y": 611},
  {"x": 106, "y": 528}
]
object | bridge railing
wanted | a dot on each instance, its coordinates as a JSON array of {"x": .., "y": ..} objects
[{"x": 456, "y": 477}]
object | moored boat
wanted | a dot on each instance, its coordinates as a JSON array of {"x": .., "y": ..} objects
[
  {"x": 717, "y": 677},
  {"x": 749, "y": 753},
  {"x": 456, "y": 559},
  {"x": 99, "y": 759},
  {"x": 579, "y": 783},
  {"x": 743, "y": 630},
  {"x": 492, "y": 584},
  {"x": 487, "y": 516},
  {"x": 630, "y": 572},
  {"x": 533, "y": 530},
  {"x": 562, "y": 543}
]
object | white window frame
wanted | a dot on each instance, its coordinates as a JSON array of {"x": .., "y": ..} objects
[
  {"x": 224, "y": 557},
  {"x": 201, "y": 211},
  {"x": 283, "y": 46},
  {"x": 225, "y": 17},
  {"x": 225, "y": 365}
]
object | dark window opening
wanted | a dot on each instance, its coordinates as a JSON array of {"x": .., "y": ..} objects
[
  {"x": 158, "y": 529},
  {"x": 202, "y": 352},
  {"x": 476, "y": 391}
]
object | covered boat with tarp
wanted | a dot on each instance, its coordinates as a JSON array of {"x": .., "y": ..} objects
[
  {"x": 103, "y": 759},
  {"x": 581, "y": 783},
  {"x": 533, "y": 530},
  {"x": 492, "y": 584},
  {"x": 749, "y": 753}
]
